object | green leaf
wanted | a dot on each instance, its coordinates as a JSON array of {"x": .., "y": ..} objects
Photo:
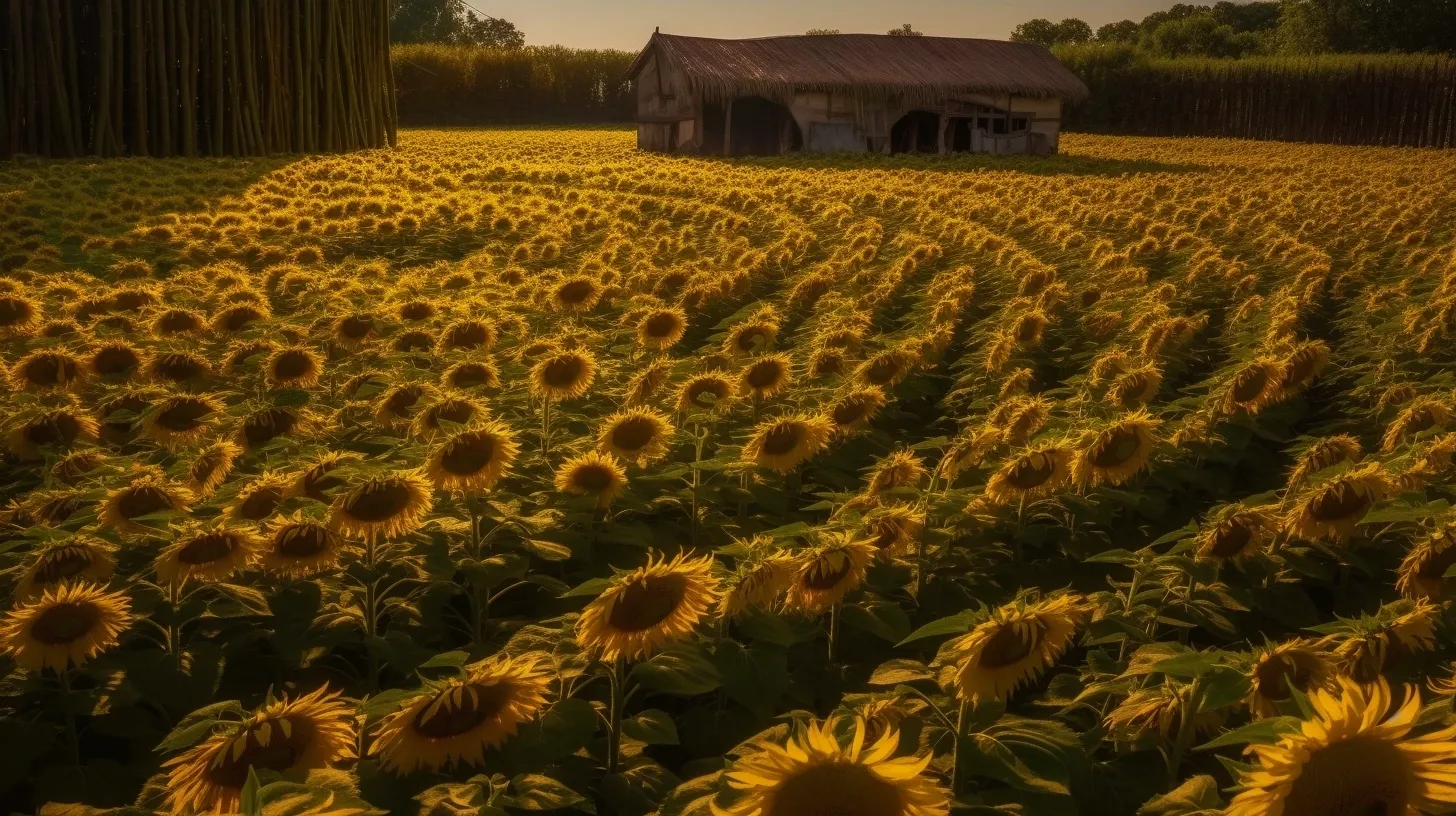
[
  {"x": 1265, "y": 731},
  {"x": 452, "y": 660},
  {"x": 652, "y": 726},
  {"x": 882, "y": 619},
  {"x": 1118, "y": 556},
  {"x": 249, "y": 803},
  {"x": 547, "y": 550},
  {"x": 991, "y": 757},
  {"x": 1222, "y": 687},
  {"x": 957, "y": 624},
  {"x": 754, "y": 676},
  {"x": 1187, "y": 665},
  {"x": 895, "y": 672},
  {"x": 541, "y": 792},
  {"x": 290, "y": 398},
  {"x": 1196, "y": 796},
  {"x": 589, "y": 589},
  {"x": 684, "y": 671}
]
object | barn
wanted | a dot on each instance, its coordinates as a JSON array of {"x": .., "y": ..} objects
[{"x": 849, "y": 92}]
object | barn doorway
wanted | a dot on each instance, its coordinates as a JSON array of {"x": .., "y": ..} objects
[
  {"x": 916, "y": 132},
  {"x": 754, "y": 126}
]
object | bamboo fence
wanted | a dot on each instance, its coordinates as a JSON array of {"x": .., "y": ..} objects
[{"x": 194, "y": 77}]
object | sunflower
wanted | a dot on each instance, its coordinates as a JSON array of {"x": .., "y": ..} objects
[
  {"x": 765, "y": 376},
  {"x": 646, "y": 609},
  {"x": 1014, "y": 646},
  {"x": 1235, "y": 534},
  {"x": 576, "y": 295},
  {"x": 895, "y": 529},
  {"x": 753, "y": 337},
  {"x": 264, "y": 425},
  {"x": 285, "y": 736},
  {"x": 471, "y": 374},
  {"x": 1422, "y": 575},
  {"x": 1374, "y": 643},
  {"x": 1351, "y": 758},
  {"x": 1254, "y": 387},
  {"x": 74, "y": 467},
  {"x": 211, "y": 467},
  {"x": 1302, "y": 664},
  {"x": 142, "y": 497},
  {"x": 473, "y": 461},
  {"x": 900, "y": 469},
  {"x": 208, "y": 554},
  {"x": 759, "y": 578},
  {"x": 644, "y": 385},
  {"x": 353, "y": 330},
  {"x": 178, "y": 321},
  {"x": 563, "y": 375},
  {"x": 824, "y": 574},
  {"x": 260, "y": 498},
  {"x": 294, "y": 367},
  {"x": 886, "y": 368},
  {"x": 180, "y": 419},
  {"x": 58, "y": 427},
  {"x": 1303, "y": 366},
  {"x": 1323, "y": 454},
  {"x": 827, "y": 362},
  {"x": 638, "y": 435},
  {"x": 854, "y": 409},
  {"x": 1159, "y": 709},
  {"x": 322, "y": 478},
  {"x": 383, "y": 506},
  {"x": 19, "y": 316},
  {"x": 1117, "y": 453},
  {"x": 47, "y": 370},
  {"x": 400, "y": 403},
  {"x": 661, "y": 329},
  {"x": 179, "y": 367},
  {"x": 297, "y": 547},
  {"x": 467, "y": 334},
  {"x": 456, "y": 721},
  {"x": 1021, "y": 417},
  {"x": 453, "y": 408},
  {"x": 74, "y": 559},
  {"x": 592, "y": 474},
  {"x": 783, "y": 444},
  {"x": 120, "y": 413},
  {"x": 1427, "y": 461},
  {"x": 116, "y": 361},
  {"x": 710, "y": 392},
  {"x": 1031, "y": 476},
  {"x": 1335, "y": 507},
  {"x": 814, "y": 774},
  {"x": 1422, "y": 414},
  {"x": 1136, "y": 388},
  {"x": 68, "y": 625}
]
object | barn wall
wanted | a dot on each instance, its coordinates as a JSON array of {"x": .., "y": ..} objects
[{"x": 667, "y": 109}]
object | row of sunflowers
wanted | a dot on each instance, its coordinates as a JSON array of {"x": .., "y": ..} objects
[{"x": 521, "y": 471}]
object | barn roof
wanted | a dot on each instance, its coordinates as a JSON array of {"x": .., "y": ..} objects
[{"x": 860, "y": 63}]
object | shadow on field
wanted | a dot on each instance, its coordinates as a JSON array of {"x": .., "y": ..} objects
[{"x": 1060, "y": 164}]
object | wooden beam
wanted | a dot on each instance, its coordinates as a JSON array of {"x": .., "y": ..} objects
[
  {"x": 940, "y": 141},
  {"x": 728, "y": 130}
]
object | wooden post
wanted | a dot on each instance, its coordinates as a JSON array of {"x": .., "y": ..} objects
[
  {"x": 728, "y": 130},
  {"x": 940, "y": 140}
]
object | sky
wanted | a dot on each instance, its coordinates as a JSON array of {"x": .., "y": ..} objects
[{"x": 626, "y": 24}]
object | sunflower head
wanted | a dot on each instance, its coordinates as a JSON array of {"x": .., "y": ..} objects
[
  {"x": 576, "y": 294},
  {"x": 57, "y": 428},
  {"x": 1333, "y": 508},
  {"x": 886, "y": 368},
  {"x": 1030, "y": 476},
  {"x": 116, "y": 361},
  {"x": 644, "y": 610},
  {"x": 706, "y": 393},
  {"x": 472, "y": 461},
  {"x": 1323, "y": 454},
  {"x": 67, "y": 625},
  {"x": 19, "y": 316},
  {"x": 1014, "y": 646},
  {"x": 1116, "y": 454},
  {"x": 1236, "y": 533},
  {"x": 1355, "y": 755},
  {"x": 759, "y": 578},
  {"x": 1019, "y": 418},
  {"x": 816, "y": 773},
  {"x": 125, "y": 508},
  {"x": 211, "y": 467},
  {"x": 467, "y": 334},
  {"x": 894, "y": 529},
  {"x": 74, "y": 467},
  {"x": 827, "y": 362},
  {"x": 352, "y": 330},
  {"x": 208, "y": 554},
  {"x": 1135, "y": 388},
  {"x": 1420, "y": 415},
  {"x": 563, "y": 375},
  {"x": 470, "y": 374},
  {"x": 401, "y": 403},
  {"x": 594, "y": 475},
  {"x": 765, "y": 376},
  {"x": 639, "y": 435},
  {"x": 298, "y": 547},
  {"x": 661, "y": 329},
  {"x": 825, "y": 573},
  {"x": 1302, "y": 664},
  {"x": 294, "y": 367},
  {"x": 753, "y": 337},
  {"x": 47, "y": 370},
  {"x": 181, "y": 419},
  {"x": 456, "y": 721},
  {"x": 76, "y": 559},
  {"x": 259, "y": 499},
  {"x": 382, "y": 507},
  {"x": 645, "y": 384},
  {"x": 783, "y": 444},
  {"x": 286, "y": 736},
  {"x": 855, "y": 408},
  {"x": 898, "y": 470},
  {"x": 448, "y": 410},
  {"x": 1303, "y": 366},
  {"x": 1254, "y": 387},
  {"x": 1371, "y": 644},
  {"x": 1159, "y": 709},
  {"x": 1422, "y": 575},
  {"x": 173, "y": 322},
  {"x": 268, "y": 423}
]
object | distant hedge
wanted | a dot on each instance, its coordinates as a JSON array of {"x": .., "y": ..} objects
[
  {"x": 465, "y": 85},
  {"x": 1373, "y": 99}
]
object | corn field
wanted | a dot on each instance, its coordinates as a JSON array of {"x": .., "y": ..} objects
[
  {"x": 520, "y": 471},
  {"x": 194, "y": 77},
  {"x": 1391, "y": 100}
]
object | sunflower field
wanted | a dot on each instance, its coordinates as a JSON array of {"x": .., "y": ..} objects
[{"x": 514, "y": 471}]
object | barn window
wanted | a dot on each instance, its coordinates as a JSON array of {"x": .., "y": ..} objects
[{"x": 1018, "y": 123}]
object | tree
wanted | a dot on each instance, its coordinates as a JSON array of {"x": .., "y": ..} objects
[
  {"x": 1316, "y": 26},
  {"x": 821, "y": 32},
  {"x": 904, "y": 31},
  {"x": 1198, "y": 35},
  {"x": 1123, "y": 31},
  {"x": 450, "y": 21},
  {"x": 1073, "y": 30},
  {"x": 1045, "y": 32}
]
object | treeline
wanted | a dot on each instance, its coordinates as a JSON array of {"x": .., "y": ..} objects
[
  {"x": 461, "y": 85},
  {"x": 194, "y": 77},
  {"x": 1392, "y": 100}
]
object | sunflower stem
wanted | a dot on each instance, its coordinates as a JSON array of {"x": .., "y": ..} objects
[
  {"x": 73, "y": 734},
  {"x": 545, "y": 427},
  {"x": 960, "y": 736},
  {"x": 1185, "y": 732},
  {"x": 833, "y": 629},
  {"x": 920, "y": 567},
  {"x": 174, "y": 629},
  {"x": 614, "y": 724}
]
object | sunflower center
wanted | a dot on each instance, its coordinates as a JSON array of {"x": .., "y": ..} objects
[
  {"x": 563, "y": 372},
  {"x": 574, "y": 292},
  {"x": 65, "y": 622},
  {"x": 592, "y": 478},
  {"x": 469, "y": 375},
  {"x": 782, "y": 439},
  {"x": 261, "y": 503},
  {"x": 751, "y": 338},
  {"x": 1011, "y": 644},
  {"x": 1031, "y": 471},
  {"x": 468, "y": 335},
  {"x": 461, "y": 710},
  {"x": 413, "y": 341},
  {"x": 1130, "y": 389},
  {"x": 301, "y": 541},
  {"x": 177, "y": 321},
  {"x": 1230, "y": 539},
  {"x": 141, "y": 501},
  {"x": 456, "y": 411},
  {"x": 1273, "y": 676},
  {"x": 660, "y": 325},
  {"x": 1028, "y": 329},
  {"x": 1301, "y": 367},
  {"x": 1364, "y": 776},
  {"x": 883, "y": 369},
  {"x": 265, "y": 426},
  {"x": 292, "y": 365},
  {"x": 647, "y": 601},
  {"x": 835, "y": 789},
  {"x": 468, "y": 455},
  {"x": 240, "y": 316},
  {"x": 379, "y": 501},
  {"x": 114, "y": 360},
  {"x": 1250, "y": 383},
  {"x": 61, "y": 565},
  {"x": 49, "y": 369},
  {"x": 1117, "y": 447},
  {"x": 183, "y": 414},
  {"x": 1434, "y": 568},
  {"x": 717, "y": 389},
  {"x": 279, "y": 754},
  {"x": 207, "y": 548},
  {"x": 416, "y": 310},
  {"x": 765, "y": 375},
  {"x": 634, "y": 433},
  {"x": 828, "y": 362},
  {"x": 14, "y": 311},
  {"x": 402, "y": 400},
  {"x": 1420, "y": 419},
  {"x": 827, "y": 573},
  {"x": 1342, "y": 500},
  {"x": 57, "y": 428},
  {"x": 179, "y": 367},
  {"x": 850, "y": 411},
  {"x": 356, "y": 327}
]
